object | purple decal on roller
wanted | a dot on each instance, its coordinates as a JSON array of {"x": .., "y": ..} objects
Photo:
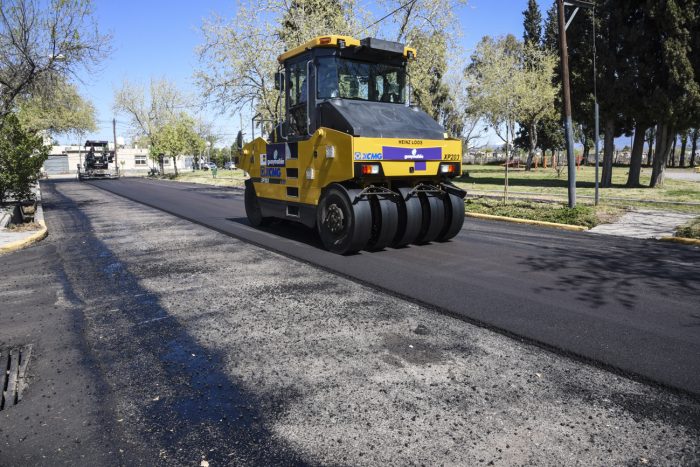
[
  {"x": 411, "y": 154},
  {"x": 420, "y": 166}
]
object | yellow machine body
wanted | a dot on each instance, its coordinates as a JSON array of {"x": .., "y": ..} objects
[{"x": 312, "y": 170}]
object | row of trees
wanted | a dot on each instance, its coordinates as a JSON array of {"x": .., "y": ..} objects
[
  {"x": 44, "y": 47},
  {"x": 648, "y": 65},
  {"x": 158, "y": 118}
]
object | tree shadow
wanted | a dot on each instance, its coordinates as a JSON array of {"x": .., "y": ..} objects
[
  {"x": 619, "y": 272},
  {"x": 200, "y": 409}
]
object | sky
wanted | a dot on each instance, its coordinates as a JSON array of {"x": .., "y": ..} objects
[{"x": 157, "y": 38}]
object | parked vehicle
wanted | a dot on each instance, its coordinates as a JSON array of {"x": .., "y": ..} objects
[
  {"x": 208, "y": 166},
  {"x": 229, "y": 165}
]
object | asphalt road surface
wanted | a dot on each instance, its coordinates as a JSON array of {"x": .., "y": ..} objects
[
  {"x": 157, "y": 341},
  {"x": 630, "y": 305}
]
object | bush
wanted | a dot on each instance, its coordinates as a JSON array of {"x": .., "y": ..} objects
[
  {"x": 22, "y": 154},
  {"x": 690, "y": 230}
]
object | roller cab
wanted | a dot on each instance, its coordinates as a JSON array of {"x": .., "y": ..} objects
[{"x": 351, "y": 157}]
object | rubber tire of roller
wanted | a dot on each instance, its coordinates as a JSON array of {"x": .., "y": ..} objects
[
  {"x": 410, "y": 218},
  {"x": 252, "y": 206},
  {"x": 357, "y": 224},
  {"x": 454, "y": 217},
  {"x": 385, "y": 218},
  {"x": 433, "y": 218}
]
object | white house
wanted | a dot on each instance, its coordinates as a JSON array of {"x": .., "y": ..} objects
[{"x": 131, "y": 160}]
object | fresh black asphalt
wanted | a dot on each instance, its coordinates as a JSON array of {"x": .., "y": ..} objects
[{"x": 630, "y": 305}]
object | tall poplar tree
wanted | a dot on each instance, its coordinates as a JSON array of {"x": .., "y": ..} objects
[{"x": 532, "y": 23}]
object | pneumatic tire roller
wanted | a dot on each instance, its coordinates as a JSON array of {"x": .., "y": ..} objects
[{"x": 351, "y": 157}]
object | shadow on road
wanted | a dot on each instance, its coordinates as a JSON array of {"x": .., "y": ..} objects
[
  {"x": 619, "y": 274},
  {"x": 186, "y": 400},
  {"x": 287, "y": 229}
]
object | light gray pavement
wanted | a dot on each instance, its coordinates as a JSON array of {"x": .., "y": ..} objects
[
  {"x": 645, "y": 223},
  {"x": 211, "y": 348},
  {"x": 691, "y": 176},
  {"x": 8, "y": 236}
]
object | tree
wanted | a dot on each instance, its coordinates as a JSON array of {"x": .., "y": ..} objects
[
  {"x": 650, "y": 137},
  {"x": 580, "y": 45},
  {"x": 22, "y": 154},
  {"x": 149, "y": 113},
  {"x": 429, "y": 27},
  {"x": 684, "y": 145},
  {"x": 176, "y": 138},
  {"x": 493, "y": 83},
  {"x": 239, "y": 57},
  {"x": 677, "y": 94},
  {"x": 537, "y": 94},
  {"x": 694, "y": 142},
  {"x": 532, "y": 24},
  {"x": 61, "y": 111},
  {"x": 550, "y": 130},
  {"x": 305, "y": 19},
  {"x": 494, "y": 88},
  {"x": 510, "y": 80},
  {"x": 428, "y": 89},
  {"x": 44, "y": 42},
  {"x": 468, "y": 126},
  {"x": 550, "y": 34},
  {"x": 613, "y": 80}
]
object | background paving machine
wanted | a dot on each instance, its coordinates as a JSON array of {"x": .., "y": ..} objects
[
  {"x": 97, "y": 162},
  {"x": 351, "y": 157}
]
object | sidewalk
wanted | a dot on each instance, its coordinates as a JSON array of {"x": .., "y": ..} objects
[
  {"x": 11, "y": 240},
  {"x": 645, "y": 223}
]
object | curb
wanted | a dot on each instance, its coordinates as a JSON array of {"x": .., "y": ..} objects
[
  {"x": 554, "y": 225},
  {"x": 33, "y": 238},
  {"x": 683, "y": 240}
]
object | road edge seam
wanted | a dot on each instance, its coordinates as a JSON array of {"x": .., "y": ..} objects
[{"x": 554, "y": 225}]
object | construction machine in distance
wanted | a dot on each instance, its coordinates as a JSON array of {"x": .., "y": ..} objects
[
  {"x": 97, "y": 162},
  {"x": 352, "y": 157}
]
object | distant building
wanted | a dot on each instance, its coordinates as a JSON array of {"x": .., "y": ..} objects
[{"x": 131, "y": 160}]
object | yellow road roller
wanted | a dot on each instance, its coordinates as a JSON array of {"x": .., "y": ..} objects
[{"x": 352, "y": 157}]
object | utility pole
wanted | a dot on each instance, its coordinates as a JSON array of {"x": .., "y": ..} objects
[
  {"x": 114, "y": 133},
  {"x": 566, "y": 90},
  {"x": 596, "y": 111}
]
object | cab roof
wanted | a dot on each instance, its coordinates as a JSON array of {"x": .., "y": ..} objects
[{"x": 333, "y": 41}]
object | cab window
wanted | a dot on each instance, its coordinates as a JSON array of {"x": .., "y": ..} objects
[
  {"x": 352, "y": 79},
  {"x": 297, "y": 98}
]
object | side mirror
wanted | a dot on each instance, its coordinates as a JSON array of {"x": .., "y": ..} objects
[
  {"x": 279, "y": 81},
  {"x": 239, "y": 140}
]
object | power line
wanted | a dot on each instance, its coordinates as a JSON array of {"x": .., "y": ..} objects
[{"x": 386, "y": 16}]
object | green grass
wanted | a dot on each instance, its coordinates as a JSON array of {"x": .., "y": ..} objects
[
  {"x": 545, "y": 183},
  {"x": 586, "y": 216},
  {"x": 223, "y": 177},
  {"x": 690, "y": 230}
]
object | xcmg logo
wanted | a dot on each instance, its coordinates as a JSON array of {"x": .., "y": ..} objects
[{"x": 368, "y": 156}]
